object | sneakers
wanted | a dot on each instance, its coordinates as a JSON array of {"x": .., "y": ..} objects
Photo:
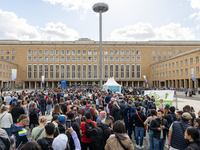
[
  {"x": 141, "y": 147},
  {"x": 137, "y": 146}
]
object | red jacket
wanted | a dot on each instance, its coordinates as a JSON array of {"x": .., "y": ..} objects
[
  {"x": 84, "y": 138},
  {"x": 110, "y": 106}
]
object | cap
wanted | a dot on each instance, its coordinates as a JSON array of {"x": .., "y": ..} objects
[
  {"x": 60, "y": 142},
  {"x": 187, "y": 116},
  {"x": 62, "y": 118},
  {"x": 167, "y": 105}
]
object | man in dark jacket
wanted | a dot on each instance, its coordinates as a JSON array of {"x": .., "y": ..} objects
[
  {"x": 46, "y": 143},
  {"x": 122, "y": 107},
  {"x": 115, "y": 112},
  {"x": 171, "y": 117},
  {"x": 160, "y": 128},
  {"x": 108, "y": 97},
  {"x": 17, "y": 111},
  {"x": 63, "y": 106},
  {"x": 43, "y": 105}
]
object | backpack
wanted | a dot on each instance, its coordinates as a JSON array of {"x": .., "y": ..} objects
[
  {"x": 97, "y": 140},
  {"x": 88, "y": 128},
  {"x": 49, "y": 101},
  {"x": 86, "y": 110},
  {"x": 129, "y": 114},
  {"x": 4, "y": 143},
  {"x": 13, "y": 101},
  {"x": 172, "y": 119}
]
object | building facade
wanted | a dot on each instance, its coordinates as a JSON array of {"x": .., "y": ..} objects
[{"x": 77, "y": 62}]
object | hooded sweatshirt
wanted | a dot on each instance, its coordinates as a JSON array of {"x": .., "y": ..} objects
[
  {"x": 45, "y": 143},
  {"x": 115, "y": 113}
]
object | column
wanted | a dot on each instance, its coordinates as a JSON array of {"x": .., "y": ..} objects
[
  {"x": 23, "y": 85},
  {"x": 47, "y": 84},
  {"x": 190, "y": 84},
  {"x": 132, "y": 84},
  {"x": 144, "y": 83},
  {"x": 35, "y": 85},
  {"x": 53, "y": 84},
  {"x": 138, "y": 83},
  {"x": 75, "y": 82},
  {"x": 29, "y": 85},
  {"x": 126, "y": 83},
  {"x": 41, "y": 85},
  {"x": 70, "y": 84},
  {"x": 195, "y": 84}
]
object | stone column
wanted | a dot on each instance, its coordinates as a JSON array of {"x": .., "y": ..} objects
[
  {"x": 53, "y": 84},
  {"x": 35, "y": 85},
  {"x": 29, "y": 85},
  {"x": 132, "y": 84},
  {"x": 41, "y": 85},
  {"x": 138, "y": 83},
  {"x": 47, "y": 84},
  {"x": 70, "y": 83},
  {"x": 126, "y": 83},
  {"x": 190, "y": 83},
  {"x": 23, "y": 85}
]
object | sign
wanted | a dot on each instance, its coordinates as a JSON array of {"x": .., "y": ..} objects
[
  {"x": 14, "y": 74},
  {"x": 166, "y": 95},
  {"x": 192, "y": 74},
  {"x": 16, "y": 86},
  {"x": 63, "y": 84},
  {"x": 42, "y": 79},
  {"x": 114, "y": 88},
  {"x": 145, "y": 78},
  {"x": 20, "y": 84}
]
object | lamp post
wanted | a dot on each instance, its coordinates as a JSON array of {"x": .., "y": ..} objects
[{"x": 100, "y": 8}]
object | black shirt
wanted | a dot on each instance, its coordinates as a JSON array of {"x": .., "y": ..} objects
[
  {"x": 63, "y": 108},
  {"x": 45, "y": 143}
]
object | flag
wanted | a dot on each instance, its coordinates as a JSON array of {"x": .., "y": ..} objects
[
  {"x": 145, "y": 78},
  {"x": 192, "y": 74},
  {"x": 42, "y": 79},
  {"x": 14, "y": 74}
]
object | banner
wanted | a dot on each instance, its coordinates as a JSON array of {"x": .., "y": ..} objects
[
  {"x": 116, "y": 88},
  {"x": 63, "y": 84},
  {"x": 42, "y": 79},
  {"x": 145, "y": 78},
  {"x": 166, "y": 95},
  {"x": 192, "y": 74},
  {"x": 14, "y": 74}
]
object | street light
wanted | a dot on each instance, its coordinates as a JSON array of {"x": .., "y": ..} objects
[{"x": 100, "y": 8}]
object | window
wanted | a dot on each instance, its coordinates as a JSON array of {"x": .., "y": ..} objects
[
  {"x": 106, "y": 71},
  {"x": 105, "y": 58},
  {"x": 169, "y": 66},
  {"x": 132, "y": 71},
  {"x": 63, "y": 53},
  {"x": 3, "y": 74},
  {"x": 191, "y": 61},
  {"x": 111, "y": 52},
  {"x": 116, "y": 71},
  {"x": 197, "y": 69},
  {"x": 95, "y": 58},
  {"x": 57, "y": 58},
  {"x": 8, "y": 52},
  {"x": 4, "y": 67},
  {"x": 105, "y": 52},
  {"x": 132, "y": 58},
  {"x": 116, "y": 58},
  {"x": 127, "y": 59},
  {"x": 122, "y": 71},
  {"x": 138, "y": 52},
  {"x": 84, "y": 71},
  {"x": 29, "y": 52},
  {"x": 13, "y": 52},
  {"x": 153, "y": 52},
  {"x": 51, "y": 71},
  {"x": 111, "y": 58},
  {"x": 159, "y": 58},
  {"x": 73, "y": 71},
  {"x": 68, "y": 52},
  {"x": 111, "y": 70},
  {"x": 90, "y": 52},
  {"x": 169, "y": 52},
  {"x": 78, "y": 71},
  {"x": 132, "y": 52},
  {"x": 173, "y": 65},
  {"x": 95, "y": 52},
  {"x": 127, "y": 52},
  {"x": 62, "y": 58},
  {"x": 197, "y": 59},
  {"x": 165, "y": 66},
  {"x": 181, "y": 71},
  {"x": 84, "y": 52},
  {"x": 173, "y": 73},
  {"x": 46, "y": 52},
  {"x": 57, "y": 71},
  {"x": 62, "y": 70},
  {"x": 116, "y": 52},
  {"x": 177, "y": 72},
  {"x": 35, "y": 52},
  {"x": 79, "y": 52},
  {"x": 51, "y": 52},
  {"x": 137, "y": 58},
  {"x": 127, "y": 71},
  {"x": 186, "y": 71},
  {"x": 181, "y": 63},
  {"x": 166, "y": 73},
  {"x": 73, "y": 58},
  {"x": 46, "y": 58},
  {"x": 46, "y": 71},
  {"x": 0, "y": 74},
  {"x": 162, "y": 67},
  {"x": 89, "y": 58},
  {"x": 68, "y": 58},
  {"x": 175, "y": 52},
  {"x": 177, "y": 64},
  {"x": 29, "y": 58},
  {"x": 40, "y": 71},
  {"x": 78, "y": 58},
  {"x": 164, "y": 57},
  {"x": 164, "y": 52},
  {"x": 154, "y": 58},
  {"x": 7, "y": 57},
  {"x": 68, "y": 71},
  {"x": 35, "y": 58},
  {"x": 51, "y": 58},
  {"x": 186, "y": 62},
  {"x": 122, "y": 52},
  {"x": 2, "y": 51},
  {"x": 9, "y": 68},
  {"x": 121, "y": 58},
  {"x": 89, "y": 71},
  {"x": 57, "y": 52},
  {"x": 159, "y": 52},
  {"x": 84, "y": 58},
  {"x": 40, "y": 52},
  {"x": 95, "y": 71},
  {"x": 29, "y": 71},
  {"x": 34, "y": 71},
  {"x": 138, "y": 71},
  {"x": 169, "y": 73}
]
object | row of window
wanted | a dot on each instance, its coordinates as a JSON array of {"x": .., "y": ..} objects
[
  {"x": 8, "y": 58},
  {"x": 84, "y": 58},
  {"x": 177, "y": 64},
  {"x": 7, "y": 52},
  {"x": 159, "y": 58},
  {"x": 84, "y": 52},
  {"x": 165, "y": 74},
  {"x": 82, "y": 71},
  {"x": 5, "y": 74},
  {"x": 169, "y": 52},
  {"x": 4, "y": 67}
]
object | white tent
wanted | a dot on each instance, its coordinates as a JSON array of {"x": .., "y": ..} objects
[{"x": 112, "y": 85}]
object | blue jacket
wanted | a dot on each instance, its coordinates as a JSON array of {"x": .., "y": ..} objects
[
  {"x": 107, "y": 100},
  {"x": 131, "y": 111}
]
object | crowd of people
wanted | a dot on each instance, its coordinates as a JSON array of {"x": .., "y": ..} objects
[{"x": 90, "y": 118}]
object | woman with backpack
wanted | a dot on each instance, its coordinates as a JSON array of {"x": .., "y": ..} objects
[
  {"x": 115, "y": 112},
  {"x": 192, "y": 135},
  {"x": 5, "y": 119},
  {"x": 33, "y": 116},
  {"x": 49, "y": 105}
]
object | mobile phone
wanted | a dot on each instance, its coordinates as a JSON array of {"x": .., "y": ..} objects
[{"x": 68, "y": 124}]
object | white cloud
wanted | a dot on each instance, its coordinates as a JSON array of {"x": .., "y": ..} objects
[
  {"x": 59, "y": 31},
  {"x": 145, "y": 31},
  {"x": 195, "y": 4},
  {"x": 195, "y": 15}
]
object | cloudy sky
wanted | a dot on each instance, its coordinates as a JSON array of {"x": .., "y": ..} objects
[{"x": 125, "y": 20}]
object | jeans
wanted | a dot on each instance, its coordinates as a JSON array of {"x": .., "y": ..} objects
[
  {"x": 8, "y": 131},
  {"x": 42, "y": 109},
  {"x": 139, "y": 131},
  {"x": 129, "y": 128},
  {"x": 151, "y": 143},
  {"x": 97, "y": 107},
  {"x": 33, "y": 126},
  {"x": 159, "y": 144},
  {"x": 49, "y": 108}
]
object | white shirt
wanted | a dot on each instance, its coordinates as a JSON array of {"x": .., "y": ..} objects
[
  {"x": 97, "y": 101},
  {"x": 8, "y": 99},
  {"x": 6, "y": 120}
]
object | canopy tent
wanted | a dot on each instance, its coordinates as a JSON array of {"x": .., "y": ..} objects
[{"x": 112, "y": 85}]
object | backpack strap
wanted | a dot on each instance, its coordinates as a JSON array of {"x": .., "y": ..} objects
[
  {"x": 139, "y": 118},
  {"x": 58, "y": 131},
  {"x": 182, "y": 128},
  {"x": 39, "y": 134},
  {"x": 120, "y": 142}
]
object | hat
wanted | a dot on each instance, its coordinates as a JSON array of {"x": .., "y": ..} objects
[
  {"x": 60, "y": 142},
  {"x": 187, "y": 116},
  {"x": 62, "y": 118},
  {"x": 167, "y": 105}
]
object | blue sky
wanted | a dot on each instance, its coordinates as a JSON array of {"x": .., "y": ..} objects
[{"x": 125, "y": 20}]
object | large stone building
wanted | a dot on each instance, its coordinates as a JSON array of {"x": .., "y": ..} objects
[{"x": 78, "y": 62}]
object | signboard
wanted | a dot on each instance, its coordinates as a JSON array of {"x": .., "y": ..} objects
[
  {"x": 166, "y": 95},
  {"x": 116, "y": 88},
  {"x": 14, "y": 74},
  {"x": 20, "y": 84},
  {"x": 42, "y": 79},
  {"x": 63, "y": 84}
]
